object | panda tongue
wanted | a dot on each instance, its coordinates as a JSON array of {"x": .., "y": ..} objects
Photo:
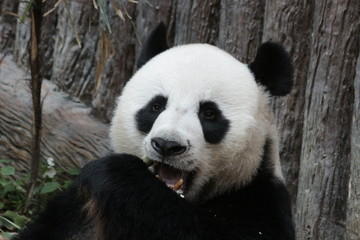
[{"x": 170, "y": 175}]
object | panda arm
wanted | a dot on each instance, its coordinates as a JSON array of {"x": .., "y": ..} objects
[
  {"x": 127, "y": 201},
  {"x": 62, "y": 218}
]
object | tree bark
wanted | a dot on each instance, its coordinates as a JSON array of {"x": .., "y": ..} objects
[
  {"x": 329, "y": 104},
  {"x": 196, "y": 21},
  {"x": 241, "y": 27},
  {"x": 48, "y": 31},
  {"x": 353, "y": 200},
  {"x": 8, "y": 9},
  {"x": 22, "y": 37},
  {"x": 69, "y": 135},
  {"x": 119, "y": 65},
  {"x": 75, "y": 46},
  {"x": 289, "y": 110},
  {"x": 35, "y": 87},
  {"x": 149, "y": 15}
]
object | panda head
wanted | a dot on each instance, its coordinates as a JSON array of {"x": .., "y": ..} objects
[{"x": 200, "y": 114}]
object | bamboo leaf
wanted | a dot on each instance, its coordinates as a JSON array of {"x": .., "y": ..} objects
[
  {"x": 127, "y": 14},
  {"x": 17, "y": 220},
  {"x": 103, "y": 14},
  {"x": 26, "y": 11},
  {"x": 9, "y": 222},
  {"x": 117, "y": 10},
  {"x": 149, "y": 3},
  {"x": 52, "y": 9},
  {"x": 95, "y": 5},
  {"x": 73, "y": 26},
  {"x": 11, "y": 14}
]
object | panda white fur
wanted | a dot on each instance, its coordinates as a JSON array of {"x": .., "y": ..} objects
[{"x": 198, "y": 115}]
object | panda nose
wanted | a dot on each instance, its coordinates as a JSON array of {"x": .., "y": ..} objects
[{"x": 167, "y": 148}]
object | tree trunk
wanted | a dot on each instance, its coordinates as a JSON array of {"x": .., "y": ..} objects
[
  {"x": 353, "y": 201},
  {"x": 7, "y": 26},
  {"x": 241, "y": 27},
  {"x": 69, "y": 134},
  {"x": 289, "y": 110},
  {"x": 318, "y": 122},
  {"x": 118, "y": 66},
  {"x": 35, "y": 63},
  {"x": 329, "y": 105}
]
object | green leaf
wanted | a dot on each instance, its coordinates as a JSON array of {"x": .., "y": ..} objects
[
  {"x": 20, "y": 188},
  {"x": 74, "y": 171},
  {"x": 7, "y": 235},
  {"x": 50, "y": 187},
  {"x": 9, "y": 223},
  {"x": 67, "y": 183},
  {"x": 4, "y": 181},
  {"x": 37, "y": 189},
  {"x": 24, "y": 180},
  {"x": 7, "y": 171},
  {"x": 17, "y": 219},
  {"x": 4, "y": 161},
  {"x": 9, "y": 187}
]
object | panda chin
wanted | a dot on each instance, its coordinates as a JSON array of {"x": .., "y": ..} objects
[{"x": 174, "y": 178}]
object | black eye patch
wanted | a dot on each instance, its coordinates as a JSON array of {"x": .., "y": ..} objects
[
  {"x": 213, "y": 123},
  {"x": 146, "y": 116}
]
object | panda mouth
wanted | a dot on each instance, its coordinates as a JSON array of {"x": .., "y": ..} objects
[{"x": 174, "y": 178}]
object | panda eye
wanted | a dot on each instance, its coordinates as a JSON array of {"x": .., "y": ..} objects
[
  {"x": 209, "y": 114},
  {"x": 157, "y": 107}
]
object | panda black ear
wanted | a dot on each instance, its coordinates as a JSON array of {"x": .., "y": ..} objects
[
  {"x": 154, "y": 44},
  {"x": 272, "y": 68}
]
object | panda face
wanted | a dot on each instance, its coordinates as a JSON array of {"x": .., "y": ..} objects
[{"x": 192, "y": 109}]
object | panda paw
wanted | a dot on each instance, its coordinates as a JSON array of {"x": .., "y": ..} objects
[
  {"x": 121, "y": 189},
  {"x": 104, "y": 174}
]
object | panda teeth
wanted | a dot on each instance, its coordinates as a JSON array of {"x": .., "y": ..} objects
[
  {"x": 148, "y": 161},
  {"x": 151, "y": 164},
  {"x": 178, "y": 185},
  {"x": 151, "y": 169},
  {"x": 175, "y": 186}
]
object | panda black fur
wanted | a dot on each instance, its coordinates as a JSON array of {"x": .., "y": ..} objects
[{"x": 200, "y": 115}]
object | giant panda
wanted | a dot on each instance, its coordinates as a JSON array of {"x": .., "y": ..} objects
[{"x": 196, "y": 153}]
